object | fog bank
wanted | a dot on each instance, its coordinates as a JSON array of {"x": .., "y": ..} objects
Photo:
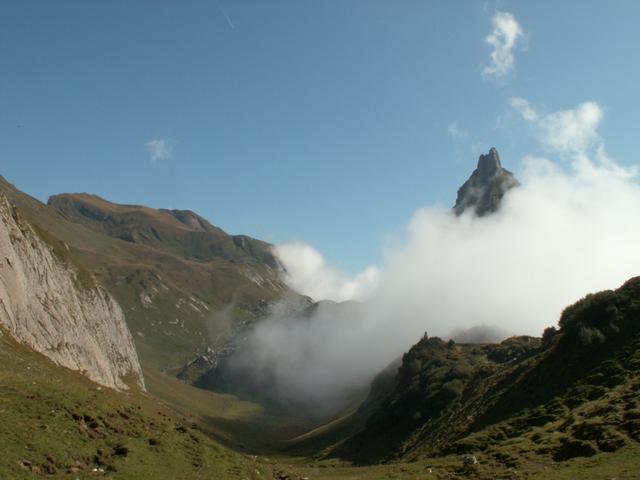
[{"x": 572, "y": 227}]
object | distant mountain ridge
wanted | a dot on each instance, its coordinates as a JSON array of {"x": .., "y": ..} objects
[
  {"x": 182, "y": 232},
  {"x": 183, "y": 284}
]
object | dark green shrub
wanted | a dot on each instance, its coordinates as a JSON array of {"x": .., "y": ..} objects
[
  {"x": 590, "y": 337},
  {"x": 548, "y": 334}
]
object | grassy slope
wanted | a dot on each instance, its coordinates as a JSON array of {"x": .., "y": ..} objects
[
  {"x": 239, "y": 424},
  {"x": 320, "y": 441},
  {"x": 564, "y": 407},
  {"x": 623, "y": 464},
  {"x": 180, "y": 232},
  {"x": 56, "y": 422}
]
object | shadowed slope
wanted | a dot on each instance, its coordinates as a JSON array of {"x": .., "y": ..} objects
[{"x": 574, "y": 393}]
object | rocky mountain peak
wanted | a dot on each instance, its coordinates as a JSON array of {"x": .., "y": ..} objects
[
  {"x": 486, "y": 186},
  {"x": 489, "y": 164}
]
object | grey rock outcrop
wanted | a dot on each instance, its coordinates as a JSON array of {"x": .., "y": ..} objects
[
  {"x": 483, "y": 191},
  {"x": 44, "y": 305}
]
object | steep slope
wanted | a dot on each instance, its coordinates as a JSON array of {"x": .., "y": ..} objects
[
  {"x": 574, "y": 393},
  {"x": 184, "y": 289},
  {"x": 483, "y": 191},
  {"x": 58, "y": 424},
  {"x": 57, "y": 309}
]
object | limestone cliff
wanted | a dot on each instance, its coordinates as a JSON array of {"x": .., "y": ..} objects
[{"x": 50, "y": 305}]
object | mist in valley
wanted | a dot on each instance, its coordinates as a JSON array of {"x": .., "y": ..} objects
[{"x": 572, "y": 227}]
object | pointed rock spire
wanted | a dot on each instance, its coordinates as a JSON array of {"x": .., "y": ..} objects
[
  {"x": 483, "y": 191},
  {"x": 489, "y": 164}
]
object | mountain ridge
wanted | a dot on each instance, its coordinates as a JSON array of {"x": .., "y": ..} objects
[
  {"x": 181, "y": 232},
  {"x": 172, "y": 297}
]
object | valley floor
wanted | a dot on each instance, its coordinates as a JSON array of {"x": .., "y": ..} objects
[
  {"x": 621, "y": 465},
  {"x": 245, "y": 426}
]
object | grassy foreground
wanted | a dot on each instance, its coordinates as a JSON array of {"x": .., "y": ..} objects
[
  {"x": 621, "y": 465},
  {"x": 55, "y": 423}
]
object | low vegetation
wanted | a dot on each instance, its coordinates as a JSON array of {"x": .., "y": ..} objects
[
  {"x": 526, "y": 404},
  {"x": 56, "y": 423}
]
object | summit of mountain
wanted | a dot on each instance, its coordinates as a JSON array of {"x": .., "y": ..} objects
[
  {"x": 482, "y": 193},
  {"x": 180, "y": 232}
]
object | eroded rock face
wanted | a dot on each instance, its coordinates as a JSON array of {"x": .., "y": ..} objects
[
  {"x": 483, "y": 191},
  {"x": 44, "y": 304}
]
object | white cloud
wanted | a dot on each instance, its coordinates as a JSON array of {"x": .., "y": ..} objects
[
  {"x": 455, "y": 132},
  {"x": 159, "y": 149},
  {"x": 503, "y": 38},
  {"x": 557, "y": 237},
  {"x": 565, "y": 232},
  {"x": 308, "y": 273},
  {"x": 571, "y": 131},
  {"x": 523, "y": 108}
]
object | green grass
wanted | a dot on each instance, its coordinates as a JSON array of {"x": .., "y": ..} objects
[
  {"x": 84, "y": 280},
  {"x": 240, "y": 424},
  {"x": 57, "y": 423},
  {"x": 621, "y": 465}
]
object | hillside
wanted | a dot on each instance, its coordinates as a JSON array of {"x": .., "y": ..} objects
[
  {"x": 180, "y": 232},
  {"x": 58, "y": 424},
  {"x": 184, "y": 285},
  {"x": 573, "y": 394}
]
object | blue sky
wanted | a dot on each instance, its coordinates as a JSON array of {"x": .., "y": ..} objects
[{"x": 328, "y": 122}]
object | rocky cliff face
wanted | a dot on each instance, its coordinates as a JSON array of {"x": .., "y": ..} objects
[
  {"x": 52, "y": 307},
  {"x": 483, "y": 191}
]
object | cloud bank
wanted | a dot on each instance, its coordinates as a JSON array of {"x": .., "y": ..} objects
[
  {"x": 503, "y": 38},
  {"x": 566, "y": 131},
  {"x": 572, "y": 227},
  {"x": 307, "y": 272}
]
